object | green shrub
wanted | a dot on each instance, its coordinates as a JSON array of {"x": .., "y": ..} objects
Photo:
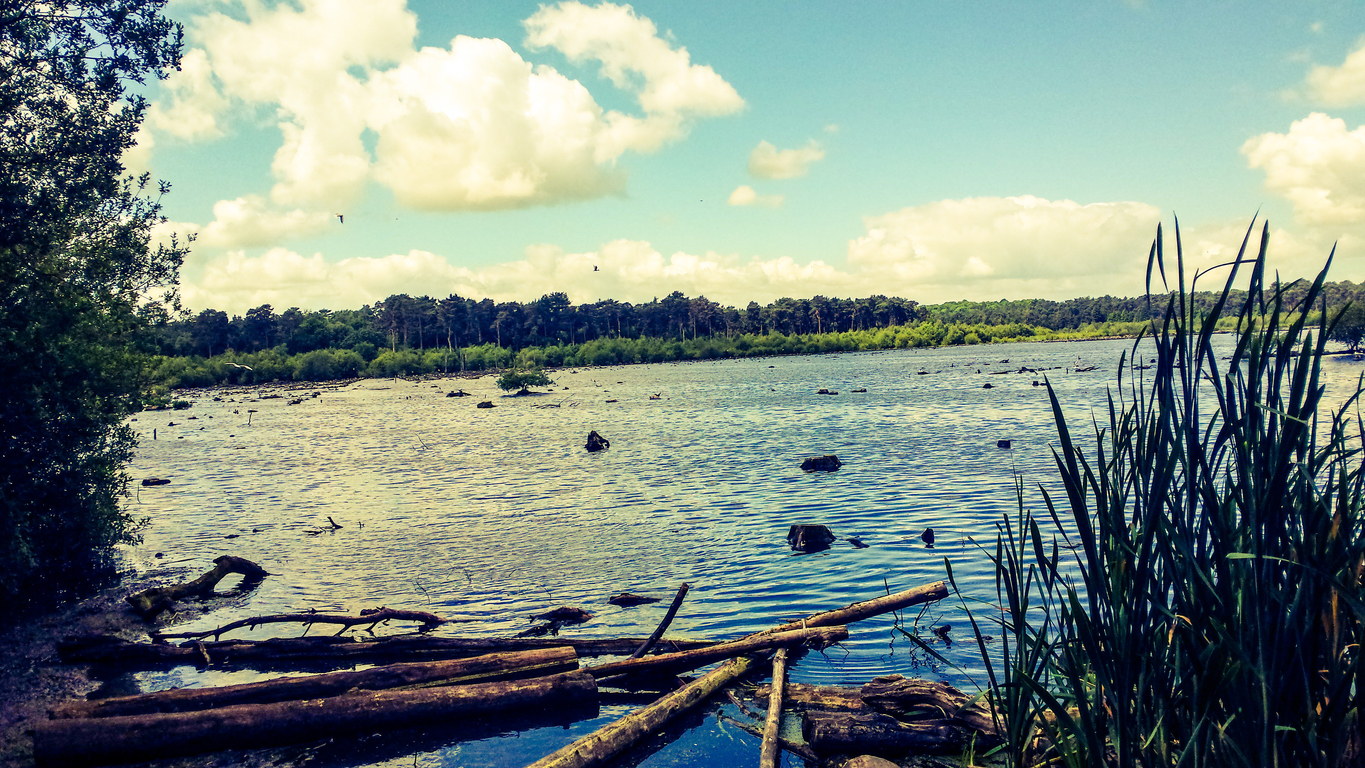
[{"x": 521, "y": 378}]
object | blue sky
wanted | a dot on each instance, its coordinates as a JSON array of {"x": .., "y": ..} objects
[{"x": 936, "y": 151}]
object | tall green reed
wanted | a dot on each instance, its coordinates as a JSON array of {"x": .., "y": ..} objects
[{"x": 1194, "y": 598}]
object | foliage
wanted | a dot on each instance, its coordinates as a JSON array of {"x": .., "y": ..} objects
[
  {"x": 1209, "y": 611},
  {"x": 77, "y": 270},
  {"x": 1350, "y": 326},
  {"x": 521, "y": 378}
]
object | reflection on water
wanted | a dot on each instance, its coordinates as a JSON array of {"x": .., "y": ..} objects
[{"x": 497, "y": 514}]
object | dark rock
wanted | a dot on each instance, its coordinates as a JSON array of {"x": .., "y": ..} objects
[
  {"x": 826, "y": 392},
  {"x": 155, "y": 481},
  {"x": 485, "y": 404},
  {"x": 596, "y": 442},
  {"x": 860, "y": 391},
  {"x": 612, "y": 401},
  {"x": 927, "y": 537},
  {"x": 457, "y": 393},
  {"x": 828, "y": 463},
  {"x": 1002, "y": 444},
  {"x": 987, "y": 385},
  {"x": 810, "y": 538},
  {"x": 296, "y": 401},
  {"x": 627, "y": 600}
]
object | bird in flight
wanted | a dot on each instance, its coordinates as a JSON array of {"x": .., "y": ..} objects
[
  {"x": 235, "y": 365},
  {"x": 341, "y": 219},
  {"x": 594, "y": 267}
]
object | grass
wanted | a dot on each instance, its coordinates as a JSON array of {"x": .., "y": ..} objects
[{"x": 1193, "y": 597}]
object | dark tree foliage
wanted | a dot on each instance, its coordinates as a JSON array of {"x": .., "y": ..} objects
[
  {"x": 78, "y": 278},
  {"x": 1350, "y": 326}
]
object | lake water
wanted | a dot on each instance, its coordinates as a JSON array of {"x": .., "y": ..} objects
[{"x": 497, "y": 514}]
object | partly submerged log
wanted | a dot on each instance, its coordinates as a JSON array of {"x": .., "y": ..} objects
[
  {"x": 827, "y": 698},
  {"x": 480, "y": 668},
  {"x": 767, "y": 754},
  {"x": 106, "y": 649},
  {"x": 601, "y": 746},
  {"x": 915, "y": 699},
  {"x": 97, "y": 741},
  {"x": 878, "y": 734},
  {"x": 810, "y": 538},
  {"x": 150, "y": 602},
  {"x": 369, "y": 617},
  {"x": 663, "y": 625},
  {"x": 816, "y": 637},
  {"x": 828, "y": 463}
]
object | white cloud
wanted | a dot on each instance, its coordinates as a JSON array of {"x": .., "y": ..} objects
[
  {"x": 745, "y": 195},
  {"x": 248, "y": 222},
  {"x": 1060, "y": 244},
  {"x": 976, "y": 248},
  {"x": 1319, "y": 166},
  {"x": 767, "y": 162},
  {"x": 1342, "y": 86},
  {"x": 469, "y": 127}
]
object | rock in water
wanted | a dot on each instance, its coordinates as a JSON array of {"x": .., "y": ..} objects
[
  {"x": 828, "y": 463},
  {"x": 155, "y": 481},
  {"x": 596, "y": 442},
  {"x": 810, "y": 538},
  {"x": 628, "y": 600},
  {"x": 485, "y": 404},
  {"x": 927, "y": 537},
  {"x": 1002, "y": 444}
]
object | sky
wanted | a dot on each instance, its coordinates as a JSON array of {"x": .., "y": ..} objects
[{"x": 330, "y": 153}]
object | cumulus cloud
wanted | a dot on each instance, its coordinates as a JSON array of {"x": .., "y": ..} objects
[
  {"x": 470, "y": 127},
  {"x": 745, "y": 195},
  {"x": 1026, "y": 240},
  {"x": 249, "y": 221},
  {"x": 768, "y": 162},
  {"x": 1319, "y": 167},
  {"x": 1342, "y": 86}
]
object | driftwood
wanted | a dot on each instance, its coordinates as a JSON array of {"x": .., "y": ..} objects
[
  {"x": 480, "y": 668},
  {"x": 879, "y": 734},
  {"x": 912, "y": 698},
  {"x": 598, "y": 747},
  {"x": 818, "y": 637},
  {"x": 371, "y": 617},
  {"x": 826, "y": 698},
  {"x": 663, "y": 625},
  {"x": 105, "y": 649},
  {"x": 630, "y": 600},
  {"x": 150, "y": 602},
  {"x": 96, "y": 741},
  {"x": 767, "y": 755},
  {"x": 938, "y": 590}
]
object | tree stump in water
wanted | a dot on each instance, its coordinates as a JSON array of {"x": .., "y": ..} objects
[
  {"x": 828, "y": 463},
  {"x": 596, "y": 442},
  {"x": 810, "y": 538}
]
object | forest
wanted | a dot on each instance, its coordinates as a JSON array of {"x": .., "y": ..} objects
[{"x": 404, "y": 335}]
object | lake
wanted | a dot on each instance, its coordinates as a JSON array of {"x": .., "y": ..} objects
[{"x": 494, "y": 515}]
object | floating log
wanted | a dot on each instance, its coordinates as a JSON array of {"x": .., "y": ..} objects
[
  {"x": 106, "y": 649},
  {"x": 150, "y": 602},
  {"x": 798, "y": 748},
  {"x": 810, "y": 538},
  {"x": 817, "y": 637},
  {"x": 630, "y": 600},
  {"x": 598, "y": 747},
  {"x": 938, "y": 590},
  {"x": 767, "y": 755},
  {"x": 913, "y": 699},
  {"x": 878, "y": 734},
  {"x": 481, "y": 668},
  {"x": 371, "y": 617},
  {"x": 97, "y": 741},
  {"x": 827, "y": 698},
  {"x": 829, "y": 463}
]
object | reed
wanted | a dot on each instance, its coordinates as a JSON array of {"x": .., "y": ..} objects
[{"x": 1193, "y": 596}]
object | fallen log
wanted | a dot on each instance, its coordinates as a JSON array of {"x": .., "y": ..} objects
[
  {"x": 818, "y": 637},
  {"x": 151, "y": 602},
  {"x": 827, "y": 698},
  {"x": 878, "y": 734},
  {"x": 913, "y": 699},
  {"x": 663, "y": 625},
  {"x": 868, "y": 608},
  {"x": 767, "y": 755},
  {"x": 98, "y": 741},
  {"x": 105, "y": 649},
  {"x": 798, "y": 748},
  {"x": 598, "y": 747},
  {"x": 372, "y": 617},
  {"x": 480, "y": 668}
]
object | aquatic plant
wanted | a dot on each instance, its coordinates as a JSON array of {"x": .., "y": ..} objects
[{"x": 1194, "y": 597}]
